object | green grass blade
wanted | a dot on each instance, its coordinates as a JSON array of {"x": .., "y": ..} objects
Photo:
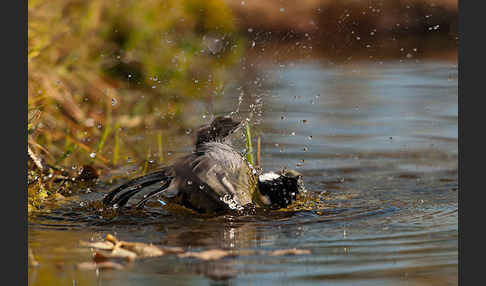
[
  {"x": 160, "y": 147},
  {"x": 116, "y": 148},
  {"x": 249, "y": 149}
]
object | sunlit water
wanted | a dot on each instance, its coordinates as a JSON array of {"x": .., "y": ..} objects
[{"x": 377, "y": 142}]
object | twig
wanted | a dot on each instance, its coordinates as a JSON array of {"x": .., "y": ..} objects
[{"x": 37, "y": 161}]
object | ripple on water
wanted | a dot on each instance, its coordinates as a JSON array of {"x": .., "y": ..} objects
[{"x": 380, "y": 164}]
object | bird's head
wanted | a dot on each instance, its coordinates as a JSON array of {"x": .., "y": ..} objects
[
  {"x": 279, "y": 190},
  {"x": 218, "y": 131}
]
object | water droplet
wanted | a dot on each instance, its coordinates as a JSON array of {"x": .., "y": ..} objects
[
  {"x": 113, "y": 101},
  {"x": 92, "y": 155},
  {"x": 188, "y": 131},
  {"x": 409, "y": 56},
  {"x": 232, "y": 204},
  {"x": 189, "y": 182},
  {"x": 201, "y": 187}
]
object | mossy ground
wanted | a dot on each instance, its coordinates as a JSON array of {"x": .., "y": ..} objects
[{"x": 98, "y": 71}]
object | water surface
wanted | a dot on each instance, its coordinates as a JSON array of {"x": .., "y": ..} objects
[{"x": 376, "y": 142}]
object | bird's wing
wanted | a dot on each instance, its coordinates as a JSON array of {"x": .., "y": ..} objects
[{"x": 232, "y": 185}]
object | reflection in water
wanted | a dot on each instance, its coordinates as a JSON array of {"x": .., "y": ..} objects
[{"x": 377, "y": 145}]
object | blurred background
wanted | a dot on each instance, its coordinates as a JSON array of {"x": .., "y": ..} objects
[{"x": 94, "y": 66}]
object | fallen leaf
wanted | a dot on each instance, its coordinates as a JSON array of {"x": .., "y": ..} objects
[
  {"x": 172, "y": 249},
  {"x": 101, "y": 265},
  {"x": 142, "y": 249},
  {"x": 292, "y": 251},
  {"x": 212, "y": 254},
  {"x": 105, "y": 245},
  {"x": 102, "y": 255},
  {"x": 115, "y": 248},
  {"x": 111, "y": 239},
  {"x": 123, "y": 253}
]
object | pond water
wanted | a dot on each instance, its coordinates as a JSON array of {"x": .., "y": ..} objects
[{"x": 377, "y": 142}]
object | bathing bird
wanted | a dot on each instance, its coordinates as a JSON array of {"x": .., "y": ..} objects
[{"x": 214, "y": 178}]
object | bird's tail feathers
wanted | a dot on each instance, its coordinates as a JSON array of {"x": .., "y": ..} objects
[{"x": 122, "y": 194}]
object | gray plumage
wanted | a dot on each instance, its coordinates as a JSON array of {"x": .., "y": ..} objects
[{"x": 214, "y": 178}]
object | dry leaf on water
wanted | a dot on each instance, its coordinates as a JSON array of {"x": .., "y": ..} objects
[
  {"x": 292, "y": 251},
  {"x": 172, "y": 249},
  {"x": 115, "y": 253},
  {"x": 212, "y": 254},
  {"x": 112, "y": 249},
  {"x": 101, "y": 265},
  {"x": 105, "y": 245},
  {"x": 115, "y": 248},
  {"x": 111, "y": 239},
  {"x": 141, "y": 249}
]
